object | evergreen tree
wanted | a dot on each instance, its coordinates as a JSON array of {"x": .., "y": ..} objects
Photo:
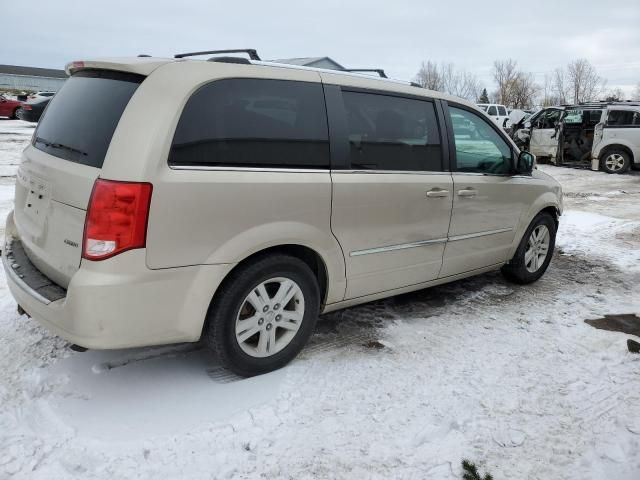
[{"x": 484, "y": 97}]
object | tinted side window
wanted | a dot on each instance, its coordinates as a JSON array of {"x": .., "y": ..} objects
[
  {"x": 623, "y": 117},
  {"x": 492, "y": 110},
  {"x": 502, "y": 111},
  {"x": 253, "y": 123},
  {"x": 479, "y": 148},
  {"x": 392, "y": 133}
]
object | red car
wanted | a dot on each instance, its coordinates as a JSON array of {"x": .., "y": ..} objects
[{"x": 9, "y": 108}]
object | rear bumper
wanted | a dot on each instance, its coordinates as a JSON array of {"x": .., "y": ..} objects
[{"x": 120, "y": 303}]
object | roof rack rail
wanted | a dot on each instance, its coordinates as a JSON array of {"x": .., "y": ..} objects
[
  {"x": 253, "y": 55},
  {"x": 379, "y": 71},
  {"x": 602, "y": 103}
]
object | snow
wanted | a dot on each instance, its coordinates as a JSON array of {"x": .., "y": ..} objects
[{"x": 508, "y": 376}]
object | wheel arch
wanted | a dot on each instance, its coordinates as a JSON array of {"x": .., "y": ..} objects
[
  {"x": 304, "y": 253},
  {"x": 616, "y": 146},
  {"x": 546, "y": 203}
]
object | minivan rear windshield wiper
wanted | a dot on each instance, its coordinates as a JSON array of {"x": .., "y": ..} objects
[{"x": 59, "y": 145}]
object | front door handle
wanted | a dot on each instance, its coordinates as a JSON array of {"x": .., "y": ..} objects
[
  {"x": 467, "y": 192},
  {"x": 437, "y": 193}
]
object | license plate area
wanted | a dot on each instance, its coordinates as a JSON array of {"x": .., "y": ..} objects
[{"x": 37, "y": 199}]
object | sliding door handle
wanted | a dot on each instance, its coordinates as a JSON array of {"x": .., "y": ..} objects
[
  {"x": 437, "y": 193},
  {"x": 467, "y": 192}
]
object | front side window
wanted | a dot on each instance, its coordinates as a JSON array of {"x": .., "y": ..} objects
[
  {"x": 502, "y": 112},
  {"x": 392, "y": 133},
  {"x": 253, "y": 123},
  {"x": 618, "y": 118},
  {"x": 479, "y": 148},
  {"x": 492, "y": 110}
]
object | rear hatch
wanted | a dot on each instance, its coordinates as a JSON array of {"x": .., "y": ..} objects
[{"x": 58, "y": 170}]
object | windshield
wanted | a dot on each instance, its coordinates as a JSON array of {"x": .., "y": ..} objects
[{"x": 80, "y": 119}]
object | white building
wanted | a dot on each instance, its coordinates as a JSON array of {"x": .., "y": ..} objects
[
  {"x": 31, "y": 78},
  {"x": 316, "y": 62}
]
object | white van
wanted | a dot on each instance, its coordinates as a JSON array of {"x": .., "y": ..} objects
[
  {"x": 167, "y": 200},
  {"x": 616, "y": 143}
]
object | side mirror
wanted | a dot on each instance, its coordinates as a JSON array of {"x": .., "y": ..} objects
[
  {"x": 526, "y": 161},
  {"x": 527, "y": 124}
]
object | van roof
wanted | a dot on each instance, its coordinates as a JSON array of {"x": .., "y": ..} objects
[{"x": 145, "y": 65}]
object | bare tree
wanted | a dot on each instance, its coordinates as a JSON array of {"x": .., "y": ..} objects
[
  {"x": 615, "y": 95},
  {"x": 505, "y": 73},
  {"x": 560, "y": 85},
  {"x": 429, "y": 76},
  {"x": 584, "y": 82},
  {"x": 523, "y": 91},
  {"x": 549, "y": 96},
  {"x": 636, "y": 92},
  {"x": 516, "y": 88},
  {"x": 446, "y": 78}
]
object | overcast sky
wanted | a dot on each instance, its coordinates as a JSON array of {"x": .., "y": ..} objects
[{"x": 395, "y": 34}]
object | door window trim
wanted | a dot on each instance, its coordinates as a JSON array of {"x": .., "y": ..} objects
[
  {"x": 338, "y": 129},
  {"x": 452, "y": 141}
]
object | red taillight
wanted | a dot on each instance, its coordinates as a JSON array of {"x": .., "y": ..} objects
[
  {"x": 26, "y": 107},
  {"x": 116, "y": 218}
]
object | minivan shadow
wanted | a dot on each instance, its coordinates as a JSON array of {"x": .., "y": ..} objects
[
  {"x": 151, "y": 391},
  {"x": 176, "y": 388}
]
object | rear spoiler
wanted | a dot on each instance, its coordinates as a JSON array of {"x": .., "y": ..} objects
[{"x": 138, "y": 65}]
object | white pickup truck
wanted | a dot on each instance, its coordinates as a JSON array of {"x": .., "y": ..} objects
[{"x": 498, "y": 113}]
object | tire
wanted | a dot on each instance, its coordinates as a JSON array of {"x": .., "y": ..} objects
[
  {"x": 615, "y": 161},
  {"x": 236, "y": 299},
  {"x": 521, "y": 267},
  {"x": 14, "y": 114}
]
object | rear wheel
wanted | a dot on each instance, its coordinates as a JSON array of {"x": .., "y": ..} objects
[
  {"x": 534, "y": 252},
  {"x": 14, "y": 114},
  {"x": 615, "y": 161},
  {"x": 263, "y": 315}
]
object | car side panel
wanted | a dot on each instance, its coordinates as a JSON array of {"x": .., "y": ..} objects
[
  {"x": 628, "y": 137},
  {"x": 215, "y": 217}
]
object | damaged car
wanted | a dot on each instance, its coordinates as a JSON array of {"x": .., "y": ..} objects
[{"x": 601, "y": 135}]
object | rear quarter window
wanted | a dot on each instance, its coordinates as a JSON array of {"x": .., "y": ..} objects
[
  {"x": 253, "y": 123},
  {"x": 619, "y": 118},
  {"x": 79, "y": 121}
]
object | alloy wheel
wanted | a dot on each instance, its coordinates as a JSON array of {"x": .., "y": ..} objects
[
  {"x": 269, "y": 317},
  {"x": 537, "y": 248},
  {"x": 614, "y": 162}
]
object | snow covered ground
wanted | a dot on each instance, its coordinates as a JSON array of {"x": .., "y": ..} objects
[{"x": 510, "y": 377}]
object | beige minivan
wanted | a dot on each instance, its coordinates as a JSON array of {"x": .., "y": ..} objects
[{"x": 167, "y": 200}]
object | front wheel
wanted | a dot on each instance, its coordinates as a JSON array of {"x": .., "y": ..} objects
[
  {"x": 14, "y": 115},
  {"x": 263, "y": 315},
  {"x": 534, "y": 252}
]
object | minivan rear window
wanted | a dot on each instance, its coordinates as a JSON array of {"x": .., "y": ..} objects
[{"x": 80, "y": 119}]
